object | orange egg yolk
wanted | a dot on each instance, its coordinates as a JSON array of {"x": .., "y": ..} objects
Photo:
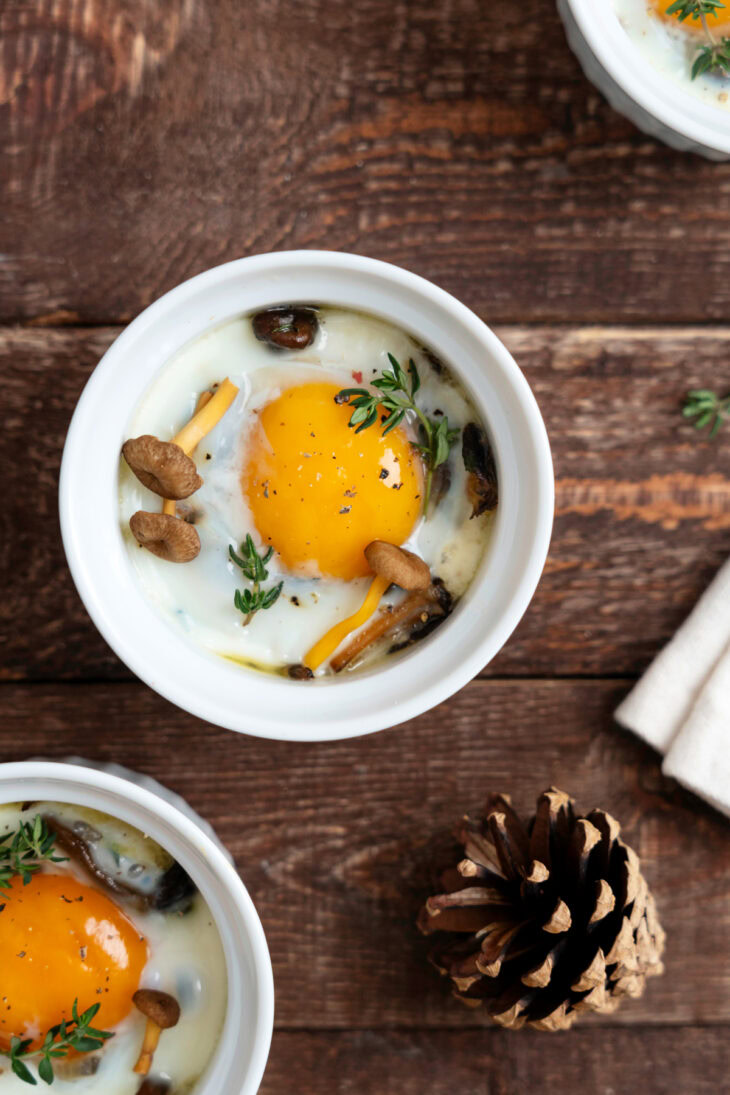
[
  {"x": 62, "y": 941},
  {"x": 719, "y": 21},
  {"x": 319, "y": 492}
]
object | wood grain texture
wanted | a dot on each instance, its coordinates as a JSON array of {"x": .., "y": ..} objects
[
  {"x": 148, "y": 141},
  {"x": 691, "y": 1061},
  {"x": 643, "y": 502},
  {"x": 339, "y": 845}
]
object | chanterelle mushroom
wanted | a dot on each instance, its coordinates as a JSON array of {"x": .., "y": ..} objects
[
  {"x": 391, "y": 565},
  {"x": 167, "y": 537},
  {"x": 162, "y": 466},
  {"x": 399, "y": 566},
  {"x": 163, "y": 1012}
]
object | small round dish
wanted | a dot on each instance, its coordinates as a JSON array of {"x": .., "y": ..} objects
[
  {"x": 655, "y": 104},
  {"x": 263, "y": 704},
  {"x": 240, "y": 1059}
]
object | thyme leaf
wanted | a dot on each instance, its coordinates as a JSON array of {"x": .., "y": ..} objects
[
  {"x": 714, "y": 55},
  {"x": 24, "y": 851},
  {"x": 253, "y": 566},
  {"x": 75, "y": 1034},
  {"x": 396, "y": 393},
  {"x": 707, "y": 408}
]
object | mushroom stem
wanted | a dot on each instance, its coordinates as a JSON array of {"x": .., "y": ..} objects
[
  {"x": 329, "y": 642},
  {"x": 416, "y": 602},
  {"x": 203, "y": 398},
  {"x": 152, "y": 1034}
]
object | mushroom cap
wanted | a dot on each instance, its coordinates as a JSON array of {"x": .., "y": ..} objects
[
  {"x": 398, "y": 565},
  {"x": 165, "y": 536},
  {"x": 160, "y": 1007},
  {"x": 162, "y": 466},
  {"x": 286, "y": 328}
]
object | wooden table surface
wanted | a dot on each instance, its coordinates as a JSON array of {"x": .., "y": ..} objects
[{"x": 143, "y": 142}]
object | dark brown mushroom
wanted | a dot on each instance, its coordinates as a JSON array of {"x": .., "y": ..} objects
[
  {"x": 286, "y": 328},
  {"x": 174, "y": 889},
  {"x": 162, "y": 466},
  {"x": 436, "y": 363},
  {"x": 73, "y": 1067},
  {"x": 162, "y": 1012},
  {"x": 482, "y": 487},
  {"x": 299, "y": 673},
  {"x": 153, "y": 1087},
  {"x": 167, "y": 537},
  {"x": 399, "y": 566},
  {"x": 421, "y": 624}
]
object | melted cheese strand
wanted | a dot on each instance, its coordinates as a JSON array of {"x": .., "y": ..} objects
[
  {"x": 206, "y": 417},
  {"x": 329, "y": 642},
  {"x": 193, "y": 432}
]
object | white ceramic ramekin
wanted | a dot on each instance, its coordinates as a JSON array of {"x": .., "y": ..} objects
[
  {"x": 655, "y": 104},
  {"x": 239, "y": 1062},
  {"x": 263, "y": 704}
]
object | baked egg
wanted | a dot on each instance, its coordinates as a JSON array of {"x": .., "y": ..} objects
[
  {"x": 308, "y": 434},
  {"x": 672, "y": 47},
  {"x": 103, "y": 923}
]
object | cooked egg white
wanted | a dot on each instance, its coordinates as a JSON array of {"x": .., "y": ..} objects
[
  {"x": 319, "y": 548},
  {"x": 63, "y": 910},
  {"x": 671, "y": 46}
]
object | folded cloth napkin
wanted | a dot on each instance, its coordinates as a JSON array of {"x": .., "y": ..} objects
[{"x": 681, "y": 705}]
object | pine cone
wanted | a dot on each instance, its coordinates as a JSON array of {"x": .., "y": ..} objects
[{"x": 544, "y": 921}]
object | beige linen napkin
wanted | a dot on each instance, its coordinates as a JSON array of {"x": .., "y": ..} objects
[{"x": 681, "y": 705}]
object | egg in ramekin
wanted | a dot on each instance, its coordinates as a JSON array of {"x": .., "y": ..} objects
[
  {"x": 672, "y": 46},
  {"x": 329, "y": 455},
  {"x": 97, "y": 920}
]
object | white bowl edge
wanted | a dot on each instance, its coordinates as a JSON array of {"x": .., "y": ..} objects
[
  {"x": 278, "y": 708},
  {"x": 652, "y": 102}
]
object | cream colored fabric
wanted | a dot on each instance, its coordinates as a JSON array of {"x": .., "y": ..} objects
[{"x": 681, "y": 705}]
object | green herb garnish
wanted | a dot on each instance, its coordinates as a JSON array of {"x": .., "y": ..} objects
[
  {"x": 24, "y": 852},
  {"x": 75, "y": 1034},
  {"x": 707, "y": 409},
  {"x": 253, "y": 566},
  {"x": 396, "y": 394},
  {"x": 714, "y": 56}
]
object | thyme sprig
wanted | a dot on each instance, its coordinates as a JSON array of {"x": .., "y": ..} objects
[
  {"x": 24, "y": 851},
  {"x": 714, "y": 55},
  {"x": 396, "y": 394},
  {"x": 707, "y": 408},
  {"x": 253, "y": 567},
  {"x": 75, "y": 1034}
]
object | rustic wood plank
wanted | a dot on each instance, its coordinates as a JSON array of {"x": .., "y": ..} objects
[
  {"x": 691, "y": 1061},
  {"x": 643, "y": 503},
  {"x": 338, "y": 844},
  {"x": 150, "y": 141}
]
